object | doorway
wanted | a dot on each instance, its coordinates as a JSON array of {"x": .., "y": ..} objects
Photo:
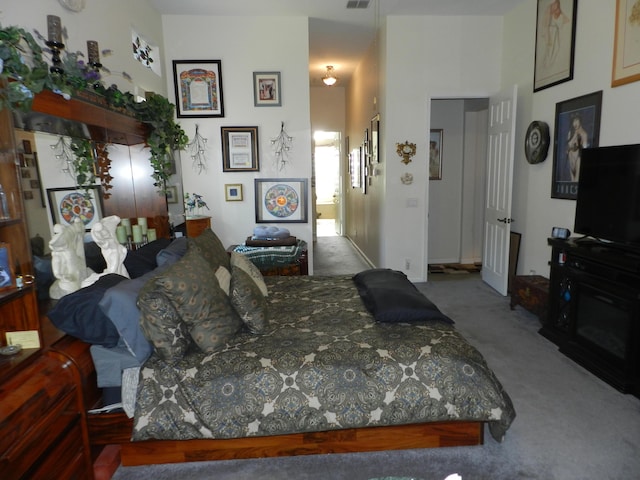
[
  {"x": 456, "y": 198},
  {"x": 328, "y": 184}
]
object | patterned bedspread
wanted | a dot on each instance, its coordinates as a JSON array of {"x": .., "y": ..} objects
[{"x": 323, "y": 364}]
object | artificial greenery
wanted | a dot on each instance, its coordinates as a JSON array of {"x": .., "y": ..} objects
[
  {"x": 83, "y": 163},
  {"x": 25, "y": 73}
]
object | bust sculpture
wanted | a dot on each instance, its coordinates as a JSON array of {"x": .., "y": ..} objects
[
  {"x": 67, "y": 258},
  {"x": 104, "y": 234}
]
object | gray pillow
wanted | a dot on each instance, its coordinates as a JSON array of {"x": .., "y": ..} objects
[
  {"x": 248, "y": 300},
  {"x": 211, "y": 249}
]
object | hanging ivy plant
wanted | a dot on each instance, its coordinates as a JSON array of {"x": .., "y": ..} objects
[
  {"x": 22, "y": 80},
  {"x": 83, "y": 163}
]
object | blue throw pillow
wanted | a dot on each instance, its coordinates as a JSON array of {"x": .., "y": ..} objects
[{"x": 78, "y": 314}]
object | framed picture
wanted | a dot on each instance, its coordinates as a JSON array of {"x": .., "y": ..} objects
[
  {"x": 198, "y": 85},
  {"x": 577, "y": 127},
  {"x": 626, "y": 50},
  {"x": 266, "y": 89},
  {"x": 6, "y": 267},
  {"x": 435, "y": 154},
  {"x": 281, "y": 200},
  {"x": 374, "y": 144},
  {"x": 555, "y": 42},
  {"x": 233, "y": 192},
  {"x": 364, "y": 168},
  {"x": 355, "y": 169},
  {"x": 240, "y": 149},
  {"x": 67, "y": 204},
  {"x": 172, "y": 194}
]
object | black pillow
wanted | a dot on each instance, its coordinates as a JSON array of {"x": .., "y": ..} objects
[
  {"x": 79, "y": 315},
  {"x": 391, "y": 297},
  {"x": 143, "y": 259}
]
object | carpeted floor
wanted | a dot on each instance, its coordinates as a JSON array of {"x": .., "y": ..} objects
[{"x": 570, "y": 425}]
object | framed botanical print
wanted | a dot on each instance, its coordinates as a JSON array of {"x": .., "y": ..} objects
[
  {"x": 577, "y": 127},
  {"x": 67, "y": 204},
  {"x": 198, "y": 86},
  {"x": 266, "y": 89},
  {"x": 555, "y": 42},
  {"x": 240, "y": 149},
  {"x": 281, "y": 200}
]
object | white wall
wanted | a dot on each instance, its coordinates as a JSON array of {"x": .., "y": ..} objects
[
  {"x": 425, "y": 58},
  {"x": 245, "y": 45},
  {"x": 534, "y": 210},
  {"x": 108, "y": 23}
]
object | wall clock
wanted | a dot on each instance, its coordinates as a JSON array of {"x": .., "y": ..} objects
[
  {"x": 536, "y": 142},
  {"x": 73, "y": 5},
  {"x": 406, "y": 150}
]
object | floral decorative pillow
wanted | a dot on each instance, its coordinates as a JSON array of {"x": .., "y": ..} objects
[
  {"x": 240, "y": 261},
  {"x": 248, "y": 300},
  {"x": 211, "y": 249},
  {"x": 191, "y": 286}
]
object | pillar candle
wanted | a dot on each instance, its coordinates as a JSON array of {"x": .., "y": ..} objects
[
  {"x": 121, "y": 234},
  {"x": 54, "y": 29},
  {"x": 126, "y": 223},
  {"x": 142, "y": 221},
  {"x": 93, "y": 52},
  {"x": 151, "y": 235},
  {"x": 137, "y": 234}
]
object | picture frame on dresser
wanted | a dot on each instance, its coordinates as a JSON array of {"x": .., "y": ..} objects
[{"x": 7, "y": 277}]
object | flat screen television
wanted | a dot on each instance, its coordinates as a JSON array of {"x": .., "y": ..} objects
[{"x": 608, "y": 202}]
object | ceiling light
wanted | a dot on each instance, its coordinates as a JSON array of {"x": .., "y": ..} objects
[{"x": 329, "y": 77}]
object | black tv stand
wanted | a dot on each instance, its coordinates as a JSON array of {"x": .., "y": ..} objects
[{"x": 594, "y": 309}]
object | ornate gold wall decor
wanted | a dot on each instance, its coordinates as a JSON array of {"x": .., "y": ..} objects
[{"x": 406, "y": 150}]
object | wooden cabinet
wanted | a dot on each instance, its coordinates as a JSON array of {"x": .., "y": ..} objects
[
  {"x": 197, "y": 225},
  {"x": 42, "y": 422}
]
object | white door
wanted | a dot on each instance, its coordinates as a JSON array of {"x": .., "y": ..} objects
[{"x": 497, "y": 212}]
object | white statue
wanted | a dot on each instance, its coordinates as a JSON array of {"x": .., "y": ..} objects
[
  {"x": 67, "y": 258},
  {"x": 104, "y": 234}
]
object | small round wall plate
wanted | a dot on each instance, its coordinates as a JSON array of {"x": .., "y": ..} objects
[
  {"x": 73, "y": 5},
  {"x": 10, "y": 350},
  {"x": 536, "y": 142}
]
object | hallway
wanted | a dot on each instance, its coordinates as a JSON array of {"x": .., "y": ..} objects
[{"x": 336, "y": 255}]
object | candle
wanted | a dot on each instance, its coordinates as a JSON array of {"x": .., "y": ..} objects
[
  {"x": 93, "y": 52},
  {"x": 54, "y": 29},
  {"x": 142, "y": 221},
  {"x": 137, "y": 234},
  {"x": 151, "y": 235},
  {"x": 126, "y": 223},
  {"x": 121, "y": 234}
]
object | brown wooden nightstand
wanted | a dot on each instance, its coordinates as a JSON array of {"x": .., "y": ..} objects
[{"x": 532, "y": 293}]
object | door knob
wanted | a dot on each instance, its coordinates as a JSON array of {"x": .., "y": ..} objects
[{"x": 506, "y": 220}]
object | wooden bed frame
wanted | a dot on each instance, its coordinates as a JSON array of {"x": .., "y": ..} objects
[{"x": 116, "y": 428}]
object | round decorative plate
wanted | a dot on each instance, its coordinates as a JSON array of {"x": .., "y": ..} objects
[
  {"x": 281, "y": 201},
  {"x": 10, "y": 350},
  {"x": 536, "y": 142},
  {"x": 77, "y": 205},
  {"x": 73, "y": 5}
]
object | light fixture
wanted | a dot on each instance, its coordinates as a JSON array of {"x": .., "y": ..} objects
[{"x": 329, "y": 78}]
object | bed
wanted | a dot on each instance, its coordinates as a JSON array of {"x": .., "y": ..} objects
[{"x": 317, "y": 365}]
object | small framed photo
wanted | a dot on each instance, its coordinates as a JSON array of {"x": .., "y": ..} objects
[
  {"x": 435, "y": 154},
  {"x": 354, "y": 168},
  {"x": 577, "y": 127},
  {"x": 240, "y": 149},
  {"x": 266, "y": 89},
  {"x": 6, "y": 267},
  {"x": 555, "y": 42},
  {"x": 281, "y": 200},
  {"x": 374, "y": 144},
  {"x": 198, "y": 86},
  {"x": 626, "y": 51},
  {"x": 27, "y": 194},
  {"x": 233, "y": 192},
  {"x": 67, "y": 204},
  {"x": 172, "y": 194}
]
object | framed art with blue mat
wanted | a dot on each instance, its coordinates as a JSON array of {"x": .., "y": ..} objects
[{"x": 67, "y": 204}]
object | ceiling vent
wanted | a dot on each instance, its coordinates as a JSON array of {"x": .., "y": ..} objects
[{"x": 358, "y": 4}]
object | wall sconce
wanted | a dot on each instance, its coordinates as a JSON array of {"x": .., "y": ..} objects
[{"x": 329, "y": 78}]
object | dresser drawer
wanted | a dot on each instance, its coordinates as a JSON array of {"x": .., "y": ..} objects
[{"x": 66, "y": 459}]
